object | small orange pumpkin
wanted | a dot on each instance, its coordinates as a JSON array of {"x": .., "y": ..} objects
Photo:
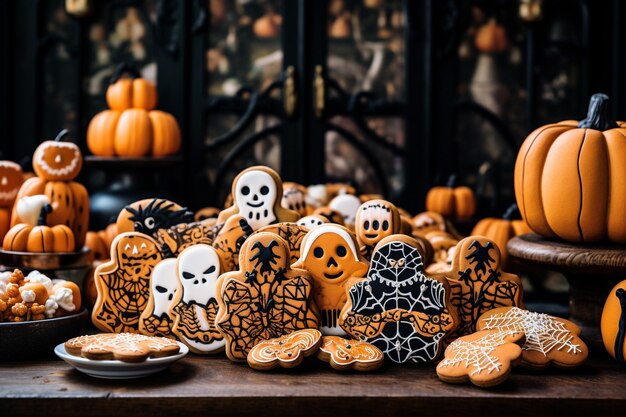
[
  {"x": 11, "y": 178},
  {"x": 133, "y": 92},
  {"x": 491, "y": 37},
  {"x": 97, "y": 245},
  {"x": 613, "y": 323},
  {"x": 55, "y": 160},
  {"x": 452, "y": 202},
  {"x": 40, "y": 238}
]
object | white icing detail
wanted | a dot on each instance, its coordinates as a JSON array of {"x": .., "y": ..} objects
[
  {"x": 347, "y": 205},
  {"x": 51, "y": 307},
  {"x": 57, "y": 159},
  {"x": 255, "y": 206},
  {"x": 65, "y": 299},
  {"x": 312, "y": 236},
  {"x": 28, "y": 296},
  {"x": 5, "y": 180},
  {"x": 310, "y": 221},
  {"x": 201, "y": 265},
  {"x": 135, "y": 250},
  {"x": 38, "y": 277},
  {"x": 164, "y": 277},
  {"x": 477, "y": 353},
  {"x": 57, "y": 171}
]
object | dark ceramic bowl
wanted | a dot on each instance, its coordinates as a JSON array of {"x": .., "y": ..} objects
[
  {"x": 31, "y": 340},
  {"x": 44, "y": 262}
]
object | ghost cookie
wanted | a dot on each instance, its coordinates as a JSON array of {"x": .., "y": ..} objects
[
  {"x": 123, "y": 283},
  {"x": 329, "y": 253},
  {"x": 397, "y": 308},
  {"x": 125, "y": 347},
  {"x": 344, "y": 354},
  {"x": 485, "y": 358},
  {"x": 265, "y": 299},
  {"x": 257, "y": 195},
  {"x": 293, "y": 235},
  {"x": 312, "y": 221},
  {"x": 548, "y": 339},
  {"x": 155, "y": 319},
  {"x": 293, "y": 198},
  {"x": 347, "y": 205},
  {"x": 287, "y": 351},
  {"x": 375, "y": 220},
  {"x": 228, "y": 241},
  {"x": 194, "y": 308},
  {"x": 149, "y": 215}
]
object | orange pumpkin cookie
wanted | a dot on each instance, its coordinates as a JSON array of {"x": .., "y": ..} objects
[
  {"x": 375, "y": 220},
  {"x": 125, "y": 347},
  {"x": 330, "y": 254},
  {"x": 155, "y": 319},
  {"x": 149, "y": 215},
  {"x": 343, "y": 354},
  {"x": 485, "y": 358},
  {"x": 123, "y": 283},
  {"x": 293, "y": 235},
  {"x": 287, "y": 351},
  {"x": 548, "y": 339},
  {"x": 257, "y": 195},
  {"x": 613, "y": 323},
  {"x": 265, "y": 299},
  {"x": 452, "y": 202},
  {"x": 478, "y": 283},
  {"x": 228, "y": 241}
]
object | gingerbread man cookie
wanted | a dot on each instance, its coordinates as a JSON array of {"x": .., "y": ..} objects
[
  {"x": 485, "y": 358},
  {"x": 330, "y": 254},
  {"x": 228, "y": 241},
  {"x": 125, "y": 347},
  {"x": 194, "y": 308},
  {"x": 123, "y": 283},
  {"x": 288, "y": 351},
  {"x": 257, "y": 195},
  {"x": 375, "y": 220},
  {"x": 265, "y": 299},
  {"x": 478, "y": 282},
  {"x": 397, "y": 308},
  {"x": 155, "y": 319},
  {"x": 548, "y": 339},
  {"x": 344, "y": 354}
]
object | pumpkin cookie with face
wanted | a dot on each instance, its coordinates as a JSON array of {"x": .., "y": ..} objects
[
  {"x": 123, "y": 283},
  {"x": 329, "y": 252},
  {"x": 257, "y": 195},
  {"x": 265, "y": 299},
  {"x": 397, "y": 308},
  {"x": 375, "y": 220}
]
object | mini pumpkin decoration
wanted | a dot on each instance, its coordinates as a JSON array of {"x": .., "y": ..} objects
[
  {"x": 131, "y": 128},
  {"x": 11, "y": 178},
  {"x": 613, "y": 323},
  {"x": 491, "y": 37},
  {"x": 97, "y": 245},
  {"x": 455, "y": 203},
  {"x": 501, "y": 230},
  {"x": 39, "y": 238},
  {"x": 569, "y": 178},
  {"x": 57, "y": 163}
]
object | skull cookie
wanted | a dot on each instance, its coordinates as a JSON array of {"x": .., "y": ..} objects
[
  {"x": 347, "y": 205},
  {"x": 397, "y": 308},
  {"x": 257, "y": 195},
  {"x": 329, "y": 252},
  {"x": 155, "y": 319},
  {"x": 195, "y": 307},
  {"x": 375, "y": 220}
]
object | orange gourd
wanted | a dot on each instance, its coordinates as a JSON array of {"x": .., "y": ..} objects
[
  {"x": 131, "y": 128},
  {"x": 97, "y": 245},
  {"x": 39, "y": 238},
  {"x": 570, "y": 180},
  {"x": 452, "y": 202},
  {"x": 613, "y": 323},
  {"x": 491, "y": 37}
]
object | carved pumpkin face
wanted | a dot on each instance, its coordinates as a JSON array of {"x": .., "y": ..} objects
[
  {"x": 375, "y": 220},
  {"x": 136, "y": 255},
  {"x": 57, "y": 161},
  {"x": 11, "y": 178}
]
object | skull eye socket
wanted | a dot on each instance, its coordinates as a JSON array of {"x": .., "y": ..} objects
[
  {"x": 160, "y": 289},
  {"x": 210, "y": 270},
  {"x": 385, "y": 225},
  {"x": 341, "y": 251},
  {"x": 245, "y": 190},
  {"x": 265, "y": 190},
  {"x": 188, "y": 275},
  {"x": 318, "y": 252},
  {"x": 375, "y": 224},
  {"x": 366, "y": 225}
]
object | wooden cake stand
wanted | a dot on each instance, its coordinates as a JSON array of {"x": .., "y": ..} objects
[{"x": 591, "y": 270}]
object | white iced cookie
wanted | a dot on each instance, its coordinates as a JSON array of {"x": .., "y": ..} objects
[
  {"x": 163, "y": 285},
  {"x": 312, "y": 221},
  {"x": 316, "y": 195},
  {"x": 347, "y": 205}
]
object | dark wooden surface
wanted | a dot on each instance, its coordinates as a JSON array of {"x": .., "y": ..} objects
[{"x": 214, "y": 386}]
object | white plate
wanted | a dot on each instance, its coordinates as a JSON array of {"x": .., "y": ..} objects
[{"x": 114, "y": 369}]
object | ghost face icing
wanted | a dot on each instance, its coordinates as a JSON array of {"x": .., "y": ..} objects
[
  {"x": 375, "y": 221},
  {"x": 347, "y": 205},
  {"x": 163, "y": 285},
  {"x": 311, "y": 222},
  {"x": 255, "y": 196},
  {"x": 198, "y": 269}
]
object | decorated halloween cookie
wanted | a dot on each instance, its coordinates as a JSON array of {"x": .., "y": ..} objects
[
  {"x": 347, "y": 205},
  {"x": 125, "y": 347},
  {"x": 312, "y": 221},
  {"x": 123, "y": 283},
  {"x": 257, "y": 195},
  {"x": 181, "y": 236},
  {"x": 265, "y": 298},
  {"x": 478, "y": 283},
  {"x": 228, "y": 241},
  {"x": 155, "y": 319},
  {"x": 293, "y": 235},
  {"x": 548, "y": 339},
  {"x": 149, "y": 215},
  {"x": 375, "y": 220},
  {"x": 613, "y": 323},
  {"x": 485, "y": 358},
  {"x": 344, "y": 354},
  {"x": 397, "y": 308},
  {"x": 206, "y": 213},
  {"x": 194, "y": 308},
  {"x": 287, "y": 351},
  {"x": 427, "y": 222},
  {"x": 329, "y": 252},
  {"x": 332, "y": 215},
  {"x": 293, "y": 198}
]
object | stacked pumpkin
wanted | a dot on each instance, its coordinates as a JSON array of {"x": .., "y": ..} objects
[{"x": 132, "y": 128}]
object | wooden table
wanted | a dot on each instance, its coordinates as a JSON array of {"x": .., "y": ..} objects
[{"x": 214, "y": 386}]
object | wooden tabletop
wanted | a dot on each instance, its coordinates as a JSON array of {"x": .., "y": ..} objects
[{"x": 214, "y": 386}]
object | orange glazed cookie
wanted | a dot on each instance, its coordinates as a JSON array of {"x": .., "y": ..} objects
[
  {"x": 343, "y": 354},
  {"x": 265, "y": 299},
  {"x": 293, "y": 235},
  {"x": 228, "y": 241},
  {"x": 548, "y": 339},
  {"x": 125, "y": 347},
  {"x": 485, "y": 358},
  {"x": 288, "y": 351}
]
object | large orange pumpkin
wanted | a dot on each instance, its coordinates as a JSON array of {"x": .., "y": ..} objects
[
  {"x": 570, "y": 180},
  {"x": 613, "y": 323},
  {"x": 451, "y": 202}
]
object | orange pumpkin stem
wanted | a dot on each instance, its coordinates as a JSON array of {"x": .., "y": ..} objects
[
  {"x": 125, "y": 68},
  {"x": 43, "y": 214},
  {"x": 452, "y": 180},
  {"x": 62, "y": 134},
  {"x": 598, "y": 114}
]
